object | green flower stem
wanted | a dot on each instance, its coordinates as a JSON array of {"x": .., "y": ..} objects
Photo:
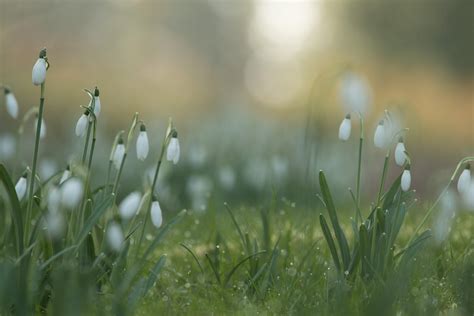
[
  {"x": 384, "y": 176},
  {"x": 359, "y": 168},
  {"x": 86, "y": 145},
  {"x": 433, "y": 206},
  {"x": 35, "y": 159}
]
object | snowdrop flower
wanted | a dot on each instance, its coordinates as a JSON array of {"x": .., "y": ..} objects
[
  {"x": 11, "y": 103},
  {"x": 199, "y": 188},
  {"x": 81, "y": 125},
  {"x": 142, "y": 143},
  {"x": 130, "y": 205},
  {"x": 156, "y": 216},
  {"x": 97, "y": 105},
  {"x": 66, "y": 175},
  {"x": 20, "y": 187},
  {"x": 71, "y": 193},
  {"x": 468, "y": 196},
  {"x": 7, "y": 146},
  {"x": 38, "y": 74},
  {"x": 227, "y": 177},
  {"x": 442, "y": 223},
  {"x": 172, "y": 153},
  {"x": 119, "y": 153},
  {"x": 380, "y": 137},
  {"x": 355, "y": 93},
  {"x": 464, "y": 179},
  {"x": 115, "y": 236},
  {"x": 43, "y": 128},
  {"x": 345, "y": 128},
  {"x": 406, "y": 179},
  {"x": 400, "y": 155},
  {"x": 54, "y": 224},
  {"x": 54, "y": 199}
]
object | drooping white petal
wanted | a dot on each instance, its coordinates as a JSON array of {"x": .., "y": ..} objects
[
  {"x": 468, "y": 196},
  {"x": 20, "y": 188},
  {"x": 81, "y": 125},
  {"x": 380, "y": 136},
  {"x": 65, "y": 176},
  {"x": 118, "y": 155},
  {"x": 97, "y": 106},
  {"x": 172, "y": 153},
  {"x": 71, "y": 193},
  {"x": 156, "y": 215},
  {"x": 400, "y": 156},
  {"x": 38, "y": 74},
  {"x": 11, "y": 104},
  {"x": 129, "y": 206},
  {"x": 464, "y": 180},
  {"x": 345, "y": 129},
  {"x": 142, "y": 145},
  {"x": 406, "y": 180},
  {"x": 115, "y": 236},
  {"x": 54, "y": 199}
]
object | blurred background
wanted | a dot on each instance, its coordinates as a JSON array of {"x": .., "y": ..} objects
[{"x": 257, "y": 89}]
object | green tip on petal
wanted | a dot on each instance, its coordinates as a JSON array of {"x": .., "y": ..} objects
[{"x": 42, "y": 53}]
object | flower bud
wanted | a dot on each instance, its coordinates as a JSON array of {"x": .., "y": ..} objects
[
  {"x": 81, "y": 125},
  {"x": 400, "y": 155},
  {"x": 129, "y": 205},
  {"x": 172, "y": 153},
  {"x": 345, "y": 128},
  {"x": 38, "y": 74},
  {"x": 156, "y": 215},
  {"x": 71, "y": 193},
  {"x": 380, "y": 136},
  {"x": 142, "y": 143},
  {"x": 115, "y": 236},
  {"x": 20, "y": 187},
  {"x": 464, "y": 179},
  {"x": 11, "y": 103},
  {"x": 119, "y": 153},
  {"x": 406, "y": 179},
  {"x": 66, "y": 175}
]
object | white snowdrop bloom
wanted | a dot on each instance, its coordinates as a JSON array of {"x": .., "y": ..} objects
[
  {"x": 66, "y": 175},
  {"x": 129, "y": 205},
  {"x": 97, "y": 105},
  {"x": 43, "y": 128},
  {"x": 54, "y": 199},
  {"x": 155, "y": 213},
  {"x": 11, "y": 103},
  {"x": 172, "y": 153},
  {"x": 47, "y": 168},
  {"x": 71, "y": 193},
  {"x": 227, "y": 177},
  {"x": 199, "y": 188},
  {"x": 464, "y": 179},
  {"x": 380, "y": 136},
  {"x": 54, "y": 224},
  {"x": 119, "y": 153},
  {"x": 444, "y": 219},
  {"x": 142, "y": 143},
  {"x": 400, "y": 155},
  {"x": 7, "y": 146},
  {"x": 38, "y": 74},
  {"x": 345, "y": 128},
  {"x": 81, "y": 125},
  {"x": 20, "y": 187},
  {"x": 115, "y": 236},
  {"x": 468, "y": 196},
  {"x": 406, "y": 179},
  {"x": 355, "y": 93}
]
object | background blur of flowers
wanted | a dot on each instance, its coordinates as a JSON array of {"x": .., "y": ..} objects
[{"x": 253, "y": 87}]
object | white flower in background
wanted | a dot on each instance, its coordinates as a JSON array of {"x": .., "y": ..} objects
[
  {"x": 142, "y": 143},
  {"x": 11, "y": 103},
  {"x": 54, "y": 224},
  {"x": 256, "y": 173},
  {"x": 442, "y": 223},
  {"x": 71, "y": 193},
  {"x": 97, "y": 105},
  {"x": 345, "y": 128},
  {"x": 20, "y": 187},
  {"x": 43, "y": 128},
  {"x": 196, "y": 155},
  {"x": 464, "y": 179},
  {"x": 115, "y": 236},
  {"x": 54, "y": 199},
  {"x": 66, "y": 175},
  {"x": 406, "y": 179},
  {"x": 81, "y": 125},
  {"x": 279, "y": 167},
  {"x": 172, "y": 153},
  {"x": 227, "y": 177},
  {"x": 355, "y": 93},
  {"x": 468, "y": 196},
  {"x": 199, "y": 188},
  {"x": 400, "y": 155},
  {"x": 38, "y": 74},
  {"x": 129, "y": 205},
  {"x": 380, "y": 136},
  {"x": 7, "y": 146},
  {"x": 155, "y": 213},
  {"x": 47, "y": 168},
  {"x": 119, "y": 153}
]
